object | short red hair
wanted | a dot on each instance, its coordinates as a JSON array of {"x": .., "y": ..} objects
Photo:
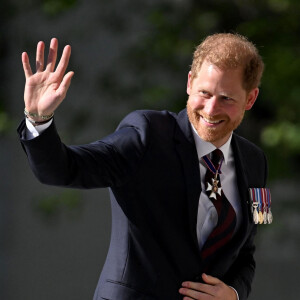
[{"x": 230, "y": 51}]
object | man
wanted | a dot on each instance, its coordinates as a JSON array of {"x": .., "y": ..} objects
[{"x": 176, "y": 232}]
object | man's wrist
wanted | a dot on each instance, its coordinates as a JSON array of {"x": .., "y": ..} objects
[
  {"x": 34, "y": 131},
  {"x": 37, "y": 123},
  {"x": 36, "y": 119}
]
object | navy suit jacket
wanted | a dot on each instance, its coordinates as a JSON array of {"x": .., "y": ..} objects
[{"x": 151, "y": 166}]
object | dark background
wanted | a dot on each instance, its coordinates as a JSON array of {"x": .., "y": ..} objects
[{"x": 132, "y": 54}]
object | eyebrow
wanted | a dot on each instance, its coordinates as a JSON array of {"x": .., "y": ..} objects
[
  {"x": 221, "y": 94},
  {"x": 226, "y": 95}
]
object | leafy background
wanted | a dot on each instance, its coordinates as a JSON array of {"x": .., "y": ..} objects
[{"x": 131, "y": 54}]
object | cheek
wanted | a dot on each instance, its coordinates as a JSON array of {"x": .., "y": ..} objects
[
  {"x": 235, "y": 112},
  {"x": 195, "y": 103}
]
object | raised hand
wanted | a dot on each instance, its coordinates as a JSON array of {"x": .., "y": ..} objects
[{"x": 47, "y": 87}]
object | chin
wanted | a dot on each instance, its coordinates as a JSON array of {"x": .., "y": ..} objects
[{"x": 210, "y": 137}]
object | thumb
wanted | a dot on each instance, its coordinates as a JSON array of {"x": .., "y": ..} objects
[{"x": 210, "y": 279}]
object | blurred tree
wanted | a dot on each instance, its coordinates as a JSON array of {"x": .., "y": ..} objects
[
  {"x": 54, "y": 7},
  {"x": 6, "y": 12},
  {"x": 159, "y": 62},
  {"x": 49, "y": 207}
]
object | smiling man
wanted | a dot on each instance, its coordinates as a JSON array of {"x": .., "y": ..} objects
[
  {"x": 219, "y": 86},
  {"x": 182, "y": 223}
]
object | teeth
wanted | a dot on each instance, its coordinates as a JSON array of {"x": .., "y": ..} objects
[{"x": 210, "y": 121}]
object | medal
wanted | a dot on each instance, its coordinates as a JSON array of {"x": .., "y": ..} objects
[
  {"x": 261, "y": 205},
  {"x": 214, "y": 187},
  {"x": 255, "y": 212},
  {"x": 264, "y": 209},
  {"x": 270, "y": 216},
  {"x": 260, "y": 217},
  {"x": 265, "y": 216}
]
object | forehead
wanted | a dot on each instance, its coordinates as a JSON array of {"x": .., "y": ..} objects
[
  {"x": 211, "y": 76},
  {"x": 208, "y": 67}
]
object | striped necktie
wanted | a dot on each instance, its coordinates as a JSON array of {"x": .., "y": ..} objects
[{"x": 225, "y": 227}]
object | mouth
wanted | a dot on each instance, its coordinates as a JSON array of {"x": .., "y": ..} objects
[{"x": 210, "y": 122}]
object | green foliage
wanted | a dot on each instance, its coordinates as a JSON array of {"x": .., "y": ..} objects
[
  {"x": 277, "y": 34},
  {"x": 162, "y": 58},
  {"x": 54, "y": 7},
  {"x": 158, "y": 62},
  {"x": 283, "y": 135},
  {"x": 4, "y": 122},
  {"x": 49, "y": 207}
]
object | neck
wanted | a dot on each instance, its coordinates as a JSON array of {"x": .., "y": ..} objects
[{"x": 220, "y": 142}]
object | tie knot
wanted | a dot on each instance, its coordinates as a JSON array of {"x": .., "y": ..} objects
[{"x": 216, "y": 157}]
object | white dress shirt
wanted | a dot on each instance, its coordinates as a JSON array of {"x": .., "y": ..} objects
[{"x": 34, "y": 131}]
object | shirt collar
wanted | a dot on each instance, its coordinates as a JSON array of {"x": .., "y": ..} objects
[{"x": 204, "y": 148}]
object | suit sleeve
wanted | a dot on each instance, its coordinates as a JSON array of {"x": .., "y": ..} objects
[
  {"x": 241, "y": 273},
  {"x": 107, "y": 162}
]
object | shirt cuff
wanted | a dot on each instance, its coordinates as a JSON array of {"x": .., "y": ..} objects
[
  {"x": 237, "y": 295},
  {"x": 34, "y": 131}
]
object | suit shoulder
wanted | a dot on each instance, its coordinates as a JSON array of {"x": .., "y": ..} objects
[
  {"x": 246, "y": 145},
  {"x": 250, "y": 152},
  {"x": 254, "y": 161},
  {"x": 152, "y": 118},
  {"x": 154, "y": 114}
]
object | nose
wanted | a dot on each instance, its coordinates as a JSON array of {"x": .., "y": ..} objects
[{"x": 211, "y": 106}]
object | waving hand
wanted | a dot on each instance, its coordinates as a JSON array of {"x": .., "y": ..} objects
[{"x": 47, "y": 87}]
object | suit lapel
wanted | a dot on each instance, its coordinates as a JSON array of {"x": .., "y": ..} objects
[
  {"x": 242, "y": 182},
  {"x": 186, "y": 149}
]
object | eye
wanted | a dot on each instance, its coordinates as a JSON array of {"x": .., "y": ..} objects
[
  {"x": 204, "y": 93},
  {"x": 226, "y": 98}
]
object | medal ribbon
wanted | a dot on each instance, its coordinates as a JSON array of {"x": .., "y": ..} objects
[
  {"x": 261, "y": 203},
  {"x": 264, "y": 199},
  {"x": 262, "y": 196},
  {"x": 211, "y": 166}
]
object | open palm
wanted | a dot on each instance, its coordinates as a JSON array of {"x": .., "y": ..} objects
[{"x": 46, "y": 89}]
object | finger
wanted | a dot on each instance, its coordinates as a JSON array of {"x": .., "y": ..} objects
[
  {"x": 40, "y": 56},
  {"x": 197, "y": 286},
  {"x": 64, "y": 61},
  {"x": 194, "y": 285},
  {"x": 193, "y": 294},
  {"x": 26, "y": 65},
  {"x": 64, "y": 86},
  {"x": 52, "y": 55},
  {"x": 210, "y": 279}
]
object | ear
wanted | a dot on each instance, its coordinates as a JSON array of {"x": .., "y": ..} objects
[
  {"x": 189, "y": 83},
  {"x": 251, "y": 98}
]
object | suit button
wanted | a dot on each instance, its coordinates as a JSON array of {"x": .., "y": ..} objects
[{"x": 198, "y": 278}]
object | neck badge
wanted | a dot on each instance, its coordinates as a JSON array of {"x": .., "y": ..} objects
[{"x": 214, "y": 187}]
